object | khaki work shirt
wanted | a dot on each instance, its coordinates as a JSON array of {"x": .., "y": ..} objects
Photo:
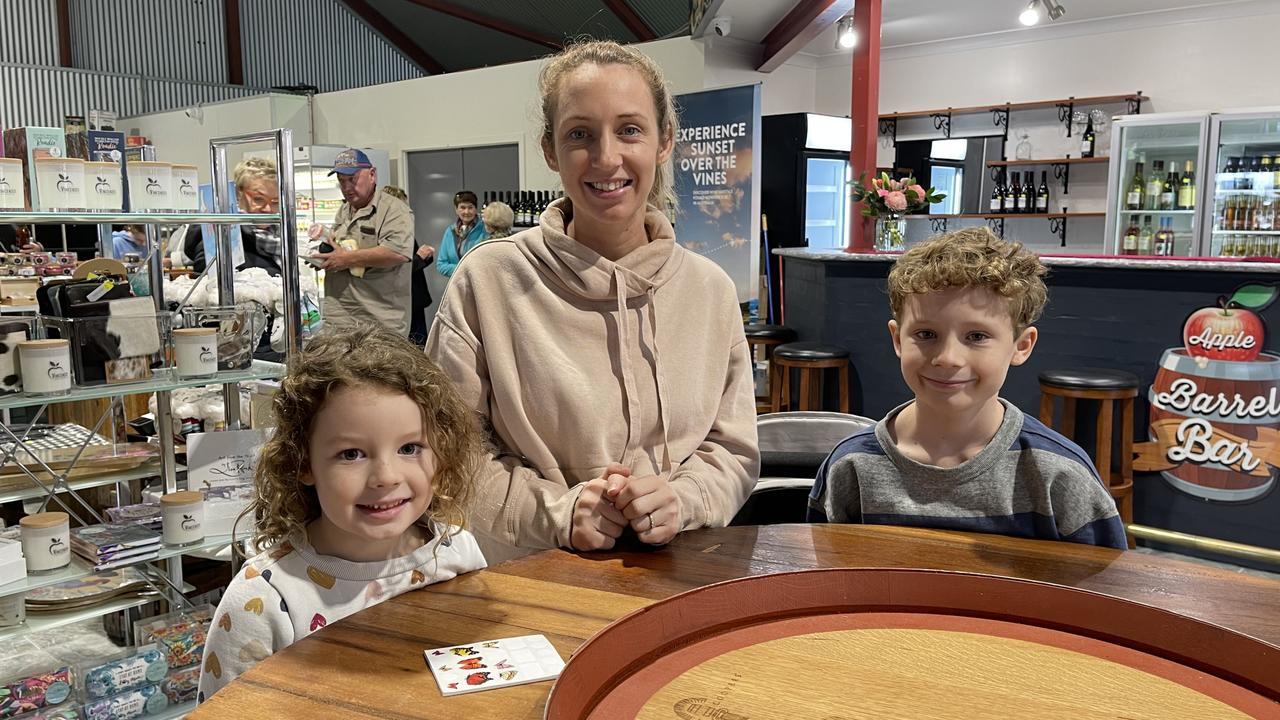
[{"x": 383, "y": 295}]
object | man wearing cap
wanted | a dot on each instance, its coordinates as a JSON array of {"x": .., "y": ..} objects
[{"x": 367, "y": 273}]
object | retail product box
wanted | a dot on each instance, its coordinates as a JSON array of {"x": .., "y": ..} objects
[
  {"x": 108, "y": 146},
  {"x": 139, "y": 153},
  {"x": 223, "y": 506},
  {"x": 13, "y": 567},
  {"x": 102, "y": 120},
  {"x": 261, "y": 395},
  {"x": 77, "y": 134},
  {"x": 29, "y": 143}
]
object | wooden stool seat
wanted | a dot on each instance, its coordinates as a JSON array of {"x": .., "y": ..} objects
[
  {"x": 809, "y": 359},
  {"x": 1107, "y": 387},
  {"x": 766, "y": 337}
]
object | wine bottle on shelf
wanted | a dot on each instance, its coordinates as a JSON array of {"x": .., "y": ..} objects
[
  {"x": 1155, "y": 185},
  {"x": 1042, "y": 195},
  {"x": 1011, "y": 194},
  {"x": 1019, "y": 195},
  {"x": 1187, "y": 188},
  {"x": 1089, "y": 140},
  {"x": 1145, "y": 236},
  {"x": 1130, "y": 244},
  {"x": 1133, "y": 199},
  {"x": 1169, "y": 190},
  {"x": 997, "y": 197},
  {"x": 1029, "y": 189}
]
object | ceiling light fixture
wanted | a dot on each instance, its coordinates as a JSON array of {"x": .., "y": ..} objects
[
  {"x": 1031, "y": 15},
  {"x": 845, "y": 36}
]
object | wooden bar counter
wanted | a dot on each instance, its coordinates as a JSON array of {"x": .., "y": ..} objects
[{"x": 371, "y": 664}]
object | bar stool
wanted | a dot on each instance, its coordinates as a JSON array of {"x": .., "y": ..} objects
[
  {"x": 810, "y": 359},
  {"x": 1107, "y": 387},
  {"x": 762, "y": 335}
]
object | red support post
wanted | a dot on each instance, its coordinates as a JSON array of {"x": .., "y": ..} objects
[{"x": 864, "y": 108}]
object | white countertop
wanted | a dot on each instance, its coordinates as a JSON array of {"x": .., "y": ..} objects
[{"x": 1090, "y": 261}]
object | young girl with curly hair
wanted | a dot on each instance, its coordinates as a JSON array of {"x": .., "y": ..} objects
[{"x": 361, "y": 496}]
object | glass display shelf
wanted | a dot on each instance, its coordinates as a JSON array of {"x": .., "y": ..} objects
[
  {"x": 1246, "y": 232},
  {"x": 165, "y": 379},
  {"x": 143, "y": 471},
  {"x": 158, "y": 218},
  {"x": 46, "y": 620},
  {"x": 81, "y": 568},
  {"x": 1157, "y": 212}
]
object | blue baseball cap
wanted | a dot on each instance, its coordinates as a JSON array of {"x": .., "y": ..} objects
[{"x": 350, "y": 162}]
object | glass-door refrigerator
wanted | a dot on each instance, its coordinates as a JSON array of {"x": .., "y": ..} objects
[
  {"x": 1155, "y": 184},
  {"x": 1242, "y": 216}
]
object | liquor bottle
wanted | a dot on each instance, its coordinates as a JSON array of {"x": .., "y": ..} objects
[
  {"x": 1169, "y": 189},
  {"x": 1089, "y": 140},
  {"x": 1155, "y": 185},
  {"x": 1187, "y": 188},
  {"x": 1145, "y": 236},
  {"x": 1030, "y": 190},
  {"x": 1161, "y": 238},
  {"x": 1133, "y": 199},
  {"x": 1020, "y": 195},
  {"x": 1262, "y": 180},
  {"x": 1130, "y": 244},
  {"x": 1042, "y": 195},
  {"x": 1011, "y": 195},
  {"x": 997, "y": 196}
]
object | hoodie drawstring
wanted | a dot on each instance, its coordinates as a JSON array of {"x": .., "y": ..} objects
[{"x": 628, "y": 383}]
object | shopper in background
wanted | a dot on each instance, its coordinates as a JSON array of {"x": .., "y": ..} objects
[
  {"x": 257, "y": 191},
  {"x": 130, "y": 240},
  {"x": 609, "y": 361},
  {"x": 361, "y": 492},
  {"x": 498, "y": 218},
  {"x": 423, "y": 256},
  {"x": 460, "y": 237},
  {"x": 367, "y": 270},
  {"x": 17, "y": 238}
]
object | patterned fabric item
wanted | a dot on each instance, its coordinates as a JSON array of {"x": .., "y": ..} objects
[{"x": 67, "y": 435}]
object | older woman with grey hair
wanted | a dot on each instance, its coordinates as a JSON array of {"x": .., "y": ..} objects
[{"x": 498, "y": 218}]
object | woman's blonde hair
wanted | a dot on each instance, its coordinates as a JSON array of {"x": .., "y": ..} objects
[
  {"x": 498, "y": 217},
  {"x": 253, "y": 169},
  {"x": 371, "y": 356},
  {"x": 606, "y": 52}
]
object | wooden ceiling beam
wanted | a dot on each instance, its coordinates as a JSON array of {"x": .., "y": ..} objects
[
  {"x": 798, "y": 28},
  {"x": 64, "y": 33},
  {"x": 492, "y": 23},
  {"x": 395, "y": 36},
  {"x": 235, "y": 56},
  {"x": 629, "y": 17}
]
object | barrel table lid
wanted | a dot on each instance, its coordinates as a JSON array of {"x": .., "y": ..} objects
[
  {"x": 898, "y": 643},
  {"x": 1265, "y": 367}
]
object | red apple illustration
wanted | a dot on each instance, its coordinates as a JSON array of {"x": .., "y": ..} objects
[{"x": 1230, "y": 331}]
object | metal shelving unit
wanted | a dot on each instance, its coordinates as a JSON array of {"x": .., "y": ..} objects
[{"x": 168, "y": 582}]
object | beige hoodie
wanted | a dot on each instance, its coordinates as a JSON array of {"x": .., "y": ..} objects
[{"x": 529, "y": 330}]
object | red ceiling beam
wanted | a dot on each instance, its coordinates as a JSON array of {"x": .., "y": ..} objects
[
  {"x": 395, "y": 36},
  {"x": 805, "y": 22},
  {"x": 497, "y": 24},
  {"x": 864, "y": 109},
  {"x": 64, "y": 33},
  {"x": 235, "y": 56},
  {"x": 635, "y": 24}
]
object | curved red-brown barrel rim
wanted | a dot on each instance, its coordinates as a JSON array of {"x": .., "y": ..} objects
[{"x": 633, "y": 641}]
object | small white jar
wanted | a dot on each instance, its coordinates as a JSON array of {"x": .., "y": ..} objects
[
  {"x": 46, "y": 366},
  {"x": 103, "y": 186},
  {"x": 185, "y": 192},
  {"x": 13, "y": 610},
  {"x": 60, "y": 182},
  {"x": 13, "y": 188},
  {"x": 150, "y": 186},
  {"x": 46, "y": 541},
  {"x": 182, "y": 517},
  {"x": 196, "y": 351}
]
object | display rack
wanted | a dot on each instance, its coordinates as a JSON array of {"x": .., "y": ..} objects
[{"x": 63, "y": 491}]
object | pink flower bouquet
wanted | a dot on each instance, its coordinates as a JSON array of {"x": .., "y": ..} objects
[{"x": 883, "y": 196}]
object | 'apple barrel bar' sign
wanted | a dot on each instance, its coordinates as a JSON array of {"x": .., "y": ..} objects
[{"x": 1215, "y": 404}]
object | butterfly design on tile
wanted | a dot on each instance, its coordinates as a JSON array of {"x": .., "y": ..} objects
[
  {"x": 212, "y": 666},
  {"x": 478, "y": 678},
  {"x": 507, "y": 674},
  {"x": 463, "y": 651},
  {"x": 436, "y": 652},
  {"x": 322, "y": 579},
  {"x": 254, "y": 606},
  {"x": 471, "y": 664},
  {"x": 489, "y": 644},
  {"x": 225, "y": 622},
  {"x": 502, "y": 664},
  {"x": 453, "y": 686},
  {"x": 318, "y": 621}
]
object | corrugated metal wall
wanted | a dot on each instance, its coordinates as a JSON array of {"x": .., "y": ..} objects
[
  {"x": 173, "y": 39},
  {"x": 315, "y": 42},
  {"x": 30, "y": 32}
]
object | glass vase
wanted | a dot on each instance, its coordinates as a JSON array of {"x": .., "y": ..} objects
[{"x": 891, "y": 231}]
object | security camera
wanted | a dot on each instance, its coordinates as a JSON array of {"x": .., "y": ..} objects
[{"x": 722, "y": 26}]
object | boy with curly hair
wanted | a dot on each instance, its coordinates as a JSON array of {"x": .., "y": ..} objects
[{"x": 958, "y": 456}]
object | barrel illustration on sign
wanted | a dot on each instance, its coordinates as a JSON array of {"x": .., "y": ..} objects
[{"x": 1215, "y": 404}]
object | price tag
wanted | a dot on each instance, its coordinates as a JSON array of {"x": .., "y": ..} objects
[{"x": 101, "y": 290}]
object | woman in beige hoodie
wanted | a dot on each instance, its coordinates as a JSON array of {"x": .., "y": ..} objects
[{"x": 609, "y": 361}]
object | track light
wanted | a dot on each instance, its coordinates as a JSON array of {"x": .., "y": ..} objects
[
  {"x": 845, "y": 36},
  {"x": 1031, "y": 15}
]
